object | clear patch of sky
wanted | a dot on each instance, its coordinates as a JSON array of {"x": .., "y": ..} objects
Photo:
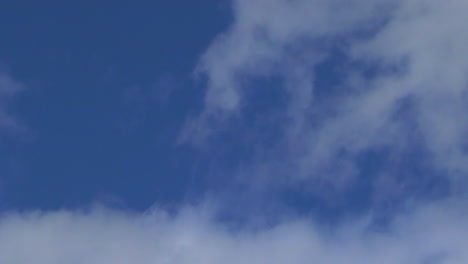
[{"x": 108, "y": 88}]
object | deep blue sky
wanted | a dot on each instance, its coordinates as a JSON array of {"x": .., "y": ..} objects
[{"x": 109, "y": 86}]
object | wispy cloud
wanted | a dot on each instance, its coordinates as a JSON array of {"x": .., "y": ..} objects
[
  {"x": 399, "y": 90},
  {"x": 8, "y": 89}
]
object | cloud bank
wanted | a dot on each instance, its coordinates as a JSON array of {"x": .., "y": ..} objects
[{"x": 430, "y": 235}]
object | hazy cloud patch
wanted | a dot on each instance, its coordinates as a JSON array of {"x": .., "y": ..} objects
[{"x": 401, "y": 88}]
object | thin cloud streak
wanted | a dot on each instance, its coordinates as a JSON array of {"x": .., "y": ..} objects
[{"x": 9, "y": 88}]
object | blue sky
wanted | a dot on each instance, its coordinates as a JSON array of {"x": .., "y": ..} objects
[
  {"x": 108, "y": 89},
  {"x": 236, "y": 131}
]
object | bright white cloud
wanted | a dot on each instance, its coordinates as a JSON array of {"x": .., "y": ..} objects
[{"x": 429, "y": 235}]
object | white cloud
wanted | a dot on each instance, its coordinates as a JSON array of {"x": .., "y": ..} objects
[
  {"x": 429, "y": 37},
  {"x": 415, "y": 51},
  {"x": 431, "y": 235}
]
